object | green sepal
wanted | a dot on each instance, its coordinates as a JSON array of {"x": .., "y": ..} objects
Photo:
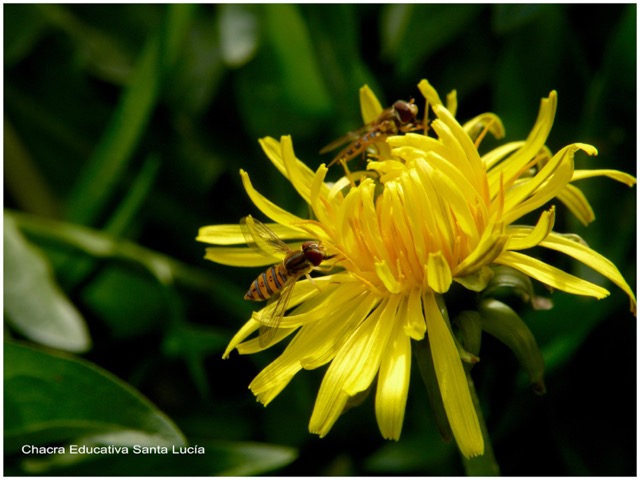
[
  {"x": 507, "y": 283},
  {"x": 500, "y": 321},
  {"x": 469, "y": 325},
  {"x": 514, "y": 288}
]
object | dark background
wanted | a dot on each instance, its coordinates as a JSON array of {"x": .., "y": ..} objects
[{"x": 134, "y": 120}]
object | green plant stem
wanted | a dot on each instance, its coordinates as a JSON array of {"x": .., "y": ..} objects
[{"x": 484, "y": 465}]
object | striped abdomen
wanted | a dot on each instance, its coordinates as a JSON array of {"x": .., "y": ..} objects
[
  {"x": 268, "y": 283},
  {"x": 295, "y": 264}
]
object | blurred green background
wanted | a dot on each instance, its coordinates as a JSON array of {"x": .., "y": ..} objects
[{"x": 125, "y": 127}]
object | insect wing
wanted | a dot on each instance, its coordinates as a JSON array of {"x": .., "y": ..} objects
[
  {"x": 272, "y": 314},
  {"x": 359, "y": 140},
  {"x": 387, "y": 115},
  {"x": 359, "y": 145},
  {"x": 348, "y": 138},
  {"x": 261, "y": 238}
]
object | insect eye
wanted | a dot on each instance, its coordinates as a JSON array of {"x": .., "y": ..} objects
[
  {"x": 314, "y": 256},
  {"x": 406, "y": 111},
  {"x": 313, "y": 253}
]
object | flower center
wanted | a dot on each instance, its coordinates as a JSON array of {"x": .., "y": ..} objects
[{"x": 399, "y": 234}]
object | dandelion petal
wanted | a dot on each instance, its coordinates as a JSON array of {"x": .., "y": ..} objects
[
  {"x": 393, "y": 385},
  {"x": 453, "y": 382}
]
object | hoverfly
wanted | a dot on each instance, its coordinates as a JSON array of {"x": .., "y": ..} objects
[
  {"x": 277, "y": 282},
  {"x": 400, "y": 117}
]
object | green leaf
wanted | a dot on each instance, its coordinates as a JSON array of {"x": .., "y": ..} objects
[
  {"x": 193, "y": 343},
  {"x": 412, "y": 33},
  {"x": 54, "y": 398},
  {"x": 338, "y": 46},
  {"x": 246, "y": 458},
  {"x": 198, "y": 73},
  {"x": 607, "y": 100},
  {"x": 296, "y": 59},
  {"x": 621, "y": 49},
  {"x": 122, "y": 218},
  {"x": 102, "y": 54},
  {"x": 164, "y": 269},
  {"x": 144, "y": 311},
  {"x": 527, "y": 67},
  {"x": 282, "y": 90},
  {"x": 95, "y": 186},
  {"x": 507, "y": 17},
  {"x": 35, "y": 305},
  {"x": 23, "y": 27},
  {"x": 23, "y": 179}
]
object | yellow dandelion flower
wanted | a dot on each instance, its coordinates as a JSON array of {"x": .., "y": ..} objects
[{"x": 429, "y": 211}]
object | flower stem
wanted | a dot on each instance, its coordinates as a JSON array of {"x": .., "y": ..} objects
[{"x": 484, "y": 465}]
